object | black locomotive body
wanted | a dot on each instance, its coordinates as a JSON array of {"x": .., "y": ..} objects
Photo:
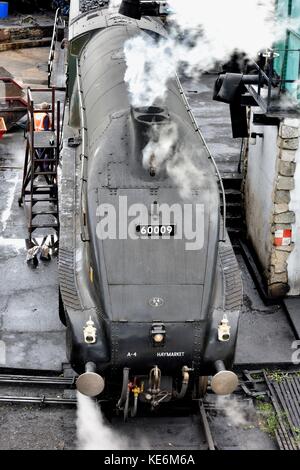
[{"x": 148, "y": 313}]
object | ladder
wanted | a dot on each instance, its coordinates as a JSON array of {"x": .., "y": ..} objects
[{"x": 39, "y": 194}]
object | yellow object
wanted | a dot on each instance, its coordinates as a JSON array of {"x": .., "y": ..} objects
[{"x": 137, "y": 390}]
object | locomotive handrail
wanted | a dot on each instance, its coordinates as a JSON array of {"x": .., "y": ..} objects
[
  {"x": 190, "y": 112},
  {"x": 83, "y": 145}
]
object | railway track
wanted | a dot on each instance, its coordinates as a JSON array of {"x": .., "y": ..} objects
[
  {"x": 37, "y": 389},
  {"x": 184, "y": 431},
  {"x": 176, "y": 429},
  {"x": 51, "y": 401}
]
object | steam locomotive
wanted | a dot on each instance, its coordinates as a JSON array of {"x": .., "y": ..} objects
[{"x": 149, "y": 316}]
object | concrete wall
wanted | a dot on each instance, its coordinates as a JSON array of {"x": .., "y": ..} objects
[{"x": 259, "y": 190}]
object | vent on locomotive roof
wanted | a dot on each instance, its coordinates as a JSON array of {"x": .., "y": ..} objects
[{"x": 151, "y": 114}]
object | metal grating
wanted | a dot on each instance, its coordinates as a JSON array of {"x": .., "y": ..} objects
[{"x": 285, "y": 396}]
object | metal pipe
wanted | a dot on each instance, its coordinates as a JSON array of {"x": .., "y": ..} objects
[
  {"x": 124, "y": 387},
  {"x": 184, "y": 384},
  {"x": 135, "y": 406}
]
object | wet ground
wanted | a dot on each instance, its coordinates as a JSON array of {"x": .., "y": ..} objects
[{"x": 31, "y": 335}]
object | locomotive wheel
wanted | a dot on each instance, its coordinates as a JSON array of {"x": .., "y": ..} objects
[
  {"x": 202, "y": 385},
  {"x": 61, "y": 309}
]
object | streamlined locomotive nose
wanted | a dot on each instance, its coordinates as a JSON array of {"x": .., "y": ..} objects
[{"x": 90, "y": 383}]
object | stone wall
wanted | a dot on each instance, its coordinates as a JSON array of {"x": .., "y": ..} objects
[
  {"x": 283, "y": 217},
  {"x": 12, "y": 34},
  {"x": 270, "y": 217}
]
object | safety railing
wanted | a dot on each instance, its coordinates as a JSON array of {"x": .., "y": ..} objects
[
  {"x": 269, "y": 78},
  {"x": 57, "y": 20},
  {"x": 54, "y": 111}
]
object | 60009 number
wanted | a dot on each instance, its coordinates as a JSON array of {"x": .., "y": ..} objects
[{"x": 156, "y": 230}]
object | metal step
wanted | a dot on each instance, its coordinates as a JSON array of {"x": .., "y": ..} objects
[
  {"x": 35, "y": 226},
  {"x": 45, "y": 160},
  {"x": 45, "y": 173},
  {"x": 51, "y": 199},
  {"x": 44, "y": 186},
  {"x": 46, "y": 212}
]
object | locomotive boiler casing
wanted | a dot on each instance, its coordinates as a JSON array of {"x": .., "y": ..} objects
[{"x": 126, "y": 286}]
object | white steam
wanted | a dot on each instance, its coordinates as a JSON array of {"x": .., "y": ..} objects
[
  {"x": 93, "y": 433},
  {"x": 201, "y": 34},
  {"x": 162, "y": 146},
  {"x": 236, "y": 411},
  {"x": 150, "y": 64},
  {"x": 114, "y": 4},
  {"x": 165, "y": 151}
]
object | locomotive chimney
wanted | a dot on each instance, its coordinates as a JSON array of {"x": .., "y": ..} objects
[
  {"x": 90, "y": 383},
  {"x": 224, "y": 382},
  {"x": 146, "y": 123}
]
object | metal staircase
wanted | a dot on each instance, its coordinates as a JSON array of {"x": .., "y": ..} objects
[{"x": 39, "y": 194}]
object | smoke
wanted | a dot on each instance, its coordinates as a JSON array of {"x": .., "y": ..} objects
[
  {"x": 162, "y": 146},
  {"x": 236, "y": 411},
  {"x": 289, "y": 102},
  {"x": 150, "y": 64},
  {"x": 114, "y": 4},
  {"x": 93, "y": 433},
  {"x": 165, "y": 151},
  {"x": 201, "y": 34}
]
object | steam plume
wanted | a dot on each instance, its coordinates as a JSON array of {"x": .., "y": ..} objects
[
  {"x": 92, "y": 431},
  {"x": 201, "y": 34},
  {"x": 165, "y": 152}
]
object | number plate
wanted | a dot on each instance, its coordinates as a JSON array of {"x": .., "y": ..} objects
[{"x": 156, "y": 230}]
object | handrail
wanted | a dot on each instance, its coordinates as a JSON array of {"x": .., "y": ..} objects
[
  {"x": 190, "y": 112},
  {"x": 52, "y": 47},
  {"x": 83, "y": 146},
  {"x": 271, "y": 79}
]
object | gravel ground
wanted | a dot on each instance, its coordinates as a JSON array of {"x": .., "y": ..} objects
[{"x": 37, "y": 427}]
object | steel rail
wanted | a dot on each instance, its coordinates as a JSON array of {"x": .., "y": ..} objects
[
  {"x": 206, "y": 427},
  {"x": 34, "y": 380},
  {"x": 39, "y": 400}
]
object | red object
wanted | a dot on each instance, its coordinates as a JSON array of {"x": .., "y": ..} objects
[
  {"x": 283, "y": 237},
  {"x": 2, "y": 127}
]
